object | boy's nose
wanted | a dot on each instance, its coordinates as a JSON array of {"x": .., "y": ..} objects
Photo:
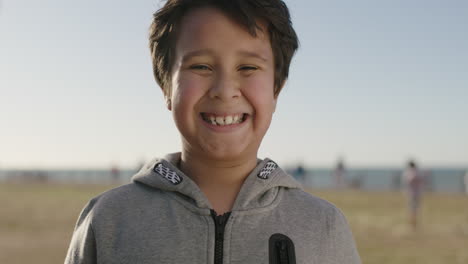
[{"x": 225, "y": 88}]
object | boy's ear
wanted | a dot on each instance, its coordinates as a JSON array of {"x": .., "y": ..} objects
[
  {"x": 275, "y": 99},
  {"x": 167, "y": 96},
  {"x": 168, "y": 103}
]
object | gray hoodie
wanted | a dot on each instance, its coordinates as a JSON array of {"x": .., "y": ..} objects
[{"x": 163, "y": 217}]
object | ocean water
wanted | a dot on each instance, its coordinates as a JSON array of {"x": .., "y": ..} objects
[
  {"x": 81, "y": 176},
  {"x": 437, "y": 179},
  {"x": 385, "y": 179}
]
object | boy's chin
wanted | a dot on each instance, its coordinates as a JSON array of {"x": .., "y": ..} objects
[{"x": 229, "y": 154}]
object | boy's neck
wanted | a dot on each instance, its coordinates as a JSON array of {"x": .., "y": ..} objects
[{"x": 220, "y": 181}]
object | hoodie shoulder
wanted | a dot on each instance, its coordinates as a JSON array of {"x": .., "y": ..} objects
[
  {"x": 123, "y": 199},
  {"x": 312, "y": 202},
  {"x": 322, "y": 219},
  {"x": 313, "y": 207}
]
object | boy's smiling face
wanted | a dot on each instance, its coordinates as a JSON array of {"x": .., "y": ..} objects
[{"x": 222, "y": 89}]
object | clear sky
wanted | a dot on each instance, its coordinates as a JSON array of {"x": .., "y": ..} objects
[{"x": 375, "y": 82}]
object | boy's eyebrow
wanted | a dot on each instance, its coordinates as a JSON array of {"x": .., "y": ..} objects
[
  {"x": 195, "y": 53},
  {"x": 243, "y": 53}
]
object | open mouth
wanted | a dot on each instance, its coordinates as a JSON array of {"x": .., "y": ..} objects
[{"x": 224, "y": 120}]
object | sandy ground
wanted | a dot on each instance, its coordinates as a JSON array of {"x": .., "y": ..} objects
[{"x": 37, "y": 220}]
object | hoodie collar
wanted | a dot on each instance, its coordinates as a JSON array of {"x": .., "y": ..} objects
[{"x": 257, "y": 190}]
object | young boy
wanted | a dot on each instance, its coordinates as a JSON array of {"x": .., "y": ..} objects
[{"x": 221, "y": 65}]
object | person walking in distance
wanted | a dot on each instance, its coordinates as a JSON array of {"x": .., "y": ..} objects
[
  {"x": 413, "y": 181},
  {"x": 339, "y": 174}
]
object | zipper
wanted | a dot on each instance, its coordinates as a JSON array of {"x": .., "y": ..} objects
[{"x": 220, "y": 223}]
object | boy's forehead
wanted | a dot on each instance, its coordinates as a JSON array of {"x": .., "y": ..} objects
[
  {"x": 208, "y": 26},
  {"x": 206, "y": 18}
]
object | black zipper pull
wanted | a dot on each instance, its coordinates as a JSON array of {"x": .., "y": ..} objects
[{"x": 281, "y": 250}]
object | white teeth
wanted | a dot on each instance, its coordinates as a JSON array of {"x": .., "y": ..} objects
[
  {"x": 220, "y": 120},
  {"x": 224, "y": 120},
  {"x": 228, "y": 120}
]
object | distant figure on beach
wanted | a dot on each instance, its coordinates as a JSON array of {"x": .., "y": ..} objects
[
  {"x": 115, "y": 173},
  {"x": 339, "y": 174},
  {"x": 413, "y": 181},
  {"x": 466, "y": 182},
  {"x": 299, "y": 173}
]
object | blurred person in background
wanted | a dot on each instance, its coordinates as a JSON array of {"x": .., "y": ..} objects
[
  {"x": 115, "y": 173},
  {"x": 413, "y": 181},
  {"x": 299, "y": 173},
  {"x": 466, "y": 182},
  {"x": 339, "y": 174}
]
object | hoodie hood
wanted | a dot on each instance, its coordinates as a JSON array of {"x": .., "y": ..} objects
[{"x": 258, "y": 190}]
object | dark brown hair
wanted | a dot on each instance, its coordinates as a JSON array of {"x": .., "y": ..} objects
[{"x": 274, "y": 13}]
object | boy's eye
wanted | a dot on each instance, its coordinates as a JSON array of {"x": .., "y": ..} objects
[
  {"x": 200, "y": 67},
  {"x": 248, "y": 68}
]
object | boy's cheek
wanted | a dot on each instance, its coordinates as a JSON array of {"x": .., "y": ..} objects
[
  {"x": 187, "y": 86},
  {"x": 260, "y": 87}
]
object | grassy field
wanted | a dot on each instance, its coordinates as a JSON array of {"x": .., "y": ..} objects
[
  {"x": 36, "y": 222},
  {"x": 379, "y": 224}
]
